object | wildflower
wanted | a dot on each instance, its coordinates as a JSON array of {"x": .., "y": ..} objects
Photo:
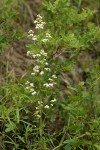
[
  {"x": 48, "y": 84},
  {"x": 27, "y": 82},
  {"x": 30, "y": 32},
  {"x": 32, "y": 73},
  {"x": 44, "y": 40},
  {"x": 51, "y": 84},
  {"x": 34, "y": 38},
  {"x": 30, "y": 35},
  {"x": 54, "y": 76},
  {"x": 46, "y": 106},
  {"x": 50, "y": 79},
  {"x": 31, "y": 84},
  {"x": 47, "y": 69},
  {"x": 38, "y": 16},
  {"x": 34, "y": 56},
  {"x": 42, "y": 52},
  {"x": 28, "y": 53},
  {"x": 40, "y": 102},
  {"x": 33, "y": 93},
  {"x": 54, "y": 100},
  {"x": 38, "y": 116},
  {"x": 31, "y": 90},
  {"x": 48, "y": 35},
  {"x": 46, "y": 63},
  {"x": 42, "y": 72},
  {"x": 39, "y": 22},
  {"x": 38, "y": 55},
  {"x": 27, "y": 88},
  {"x": 36, "y": 69}
]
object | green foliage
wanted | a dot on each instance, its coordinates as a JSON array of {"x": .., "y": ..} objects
[
  {"x": 74, "y": 29},
  {"x": 9, "y": 29},
  {"x": 34, "y": 113}
]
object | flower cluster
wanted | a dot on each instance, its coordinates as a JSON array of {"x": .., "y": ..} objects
[
  {"x": 38, "y": 109},
  {"x": 47, "y": 37},
  {"x": 39, "y": 25},
  {"x": 51, "y": 103},
  {"x": 39, "y": 22},
  {"x": 30, "y": 88},
  {"x": 32, "y": 36},
  {"x": 40, "y": 59},
  {"x": 33, "y": 55},
  {"x": 41, "y": 72},
  {"x": 50, "y": 83},
  {"x": 40, "y": 106}
]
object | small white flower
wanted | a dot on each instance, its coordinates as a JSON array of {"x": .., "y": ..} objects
[
  {"x": 50, "y": 79},
  {"x": 39, "y": 16},
  {"x": 38, "y": 27},
  {"x": 42, "y": 52},
  {"x": 44, "y": 40},
  {"x": 35, "y": 21},
  {"x": 40, "y": 102},
  {"x": 30, "y": 31},
  {"x": 32, "y": 73},
  {"x": 33, "y": 93},
  {"x": 46, "y": 85},
  {"x": 47, "y": 69},
  {"x": 31, "y": 84},
  {"x": 27, "y": 82},
  {"x": 39, "y": 22},
  {"x": 28, "y": 53},
  {"x": 50, "y": 84},
  {"x": 36, "y": 69},
  {"x": 31, "y": 90},
  {"x": 38, "y": 116},
  {"x": 46, "y": 106},
  {"x": 38, "y": 55},
  {"x": 54, "y": 100},
  {"x": 54, "y": 76},
  {"x": 27, "y": 88},
  {"x": 34, "y": 56},
  {"x": 48, "y": 35},
  {"x": 42, "y": 72},
  {"x": 51, "y": 104},
  {"x": 34, "y": 38},
  {"x": 30, "y": 35},
  {"x": 46, "y": 63}
]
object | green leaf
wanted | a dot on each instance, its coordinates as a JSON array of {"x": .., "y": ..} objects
[
  {"x": 10, "y": 126},
  {"x": 68, "y": 147},
  {"x": 17, "y": 115},
  {"x": 97, "y": 146},
  {"x": 21, "y": 139}
]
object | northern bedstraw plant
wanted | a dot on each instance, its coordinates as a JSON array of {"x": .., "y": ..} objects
[
  {"x": 33, "y": 114},
  {"x": 42, "y": 82}
]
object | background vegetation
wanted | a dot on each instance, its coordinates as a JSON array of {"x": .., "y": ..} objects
[{"x": 33, "y": 115}]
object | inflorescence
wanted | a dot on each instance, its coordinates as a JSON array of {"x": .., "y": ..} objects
[{"x": 41, "y": 68}]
